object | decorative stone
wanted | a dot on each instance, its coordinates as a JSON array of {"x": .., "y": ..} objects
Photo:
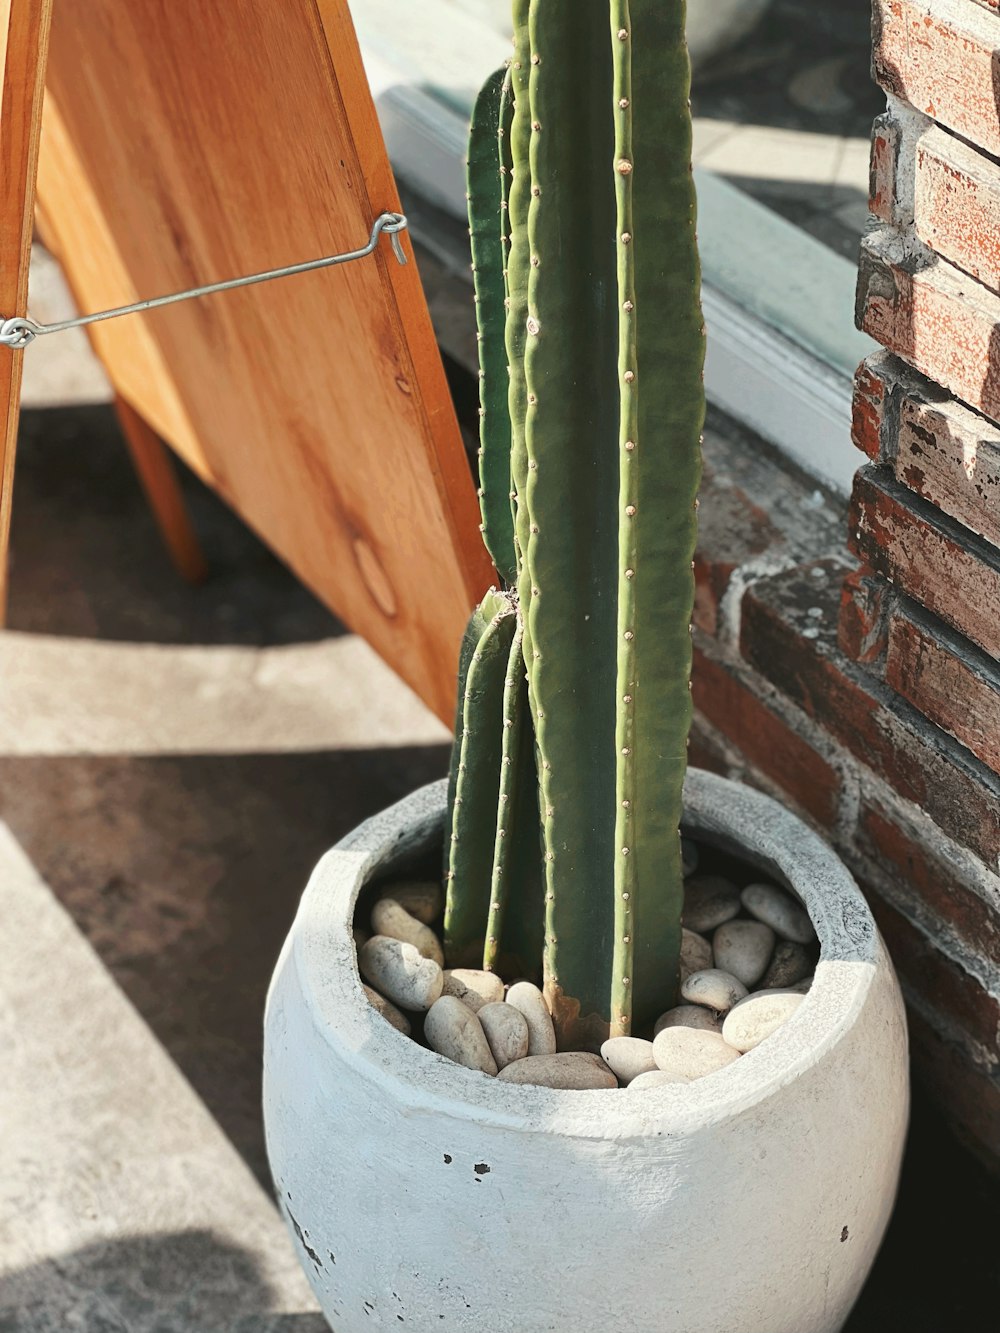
[
  {"x": 689, "y": 856},
  {"x": 756, "y": 1017},
  {"x": 526, "y": 997},
  {"x": 400, "y": 972},
  {"x": 425, "y": 901},
  {"x": 388, "y": 918},
  {"x": 657, "y": 1078},
  {"x": 687, "y": 1053},
  {"x": 574, "y": 1070},
  {"x": 473, "y": 987},
  {"x": 696, "y": 953},
  {"x": 710, "y": 900},
  {"x": 743, "y": 949},
  {"x": 780, "y": 911},
  {"x": 506, "y": 1031},
  {"x": 713, "y": 988},
  {"x": 689, "y": 1016},
  {"x": 388, "y": 1010},
  {"x": 453, "y": 1030},
  {"x": 628, "y": 1057},
  {"x": 790, "y": 962}
]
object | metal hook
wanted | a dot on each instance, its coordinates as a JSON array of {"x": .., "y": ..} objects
[{"x": 18, "y": 331}]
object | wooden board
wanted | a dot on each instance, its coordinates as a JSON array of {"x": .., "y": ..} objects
[
  {"x": 186, "y": 143},
  {"x": 24, "y": 34}
]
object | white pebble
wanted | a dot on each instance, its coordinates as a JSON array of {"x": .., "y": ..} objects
[
  {"x": 691, "y": 1054},
  {"x": 657, "y": 1078},
  {"x": 709, "y": 900},
  {"x": 388, "y": 918},
  {"x": 780, "y": 911},
  {"x": 453, "y": 1030},
  {"x": 790, "y": 962},
  {"x": 628, "y": 1057},
  {"x": 400, "y": 972},
  {"x": 388, "y": 1010},
  {"x": 574, "y": 1070},
  {"x": 689, "y": 1016},
  {"x": 696, "y": 953},
  {"x": 526, "y": 997},
  {"x": 713, "y": 988},
  {"x": 425, "y": 900},
  {"x": 743, "y": 948},
  {"x": 473, "y": 987},
  {"x": 756, "y": 1017},
  {"x": 506, "y": 1031}
]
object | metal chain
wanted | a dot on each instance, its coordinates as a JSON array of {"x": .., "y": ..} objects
[{"x": 18, "y": 331}]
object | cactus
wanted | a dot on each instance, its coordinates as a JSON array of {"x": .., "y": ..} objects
[{"x": 565, "y": 814}]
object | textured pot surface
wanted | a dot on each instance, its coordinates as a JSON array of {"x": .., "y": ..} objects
[{"x": 426, "y": 1196}]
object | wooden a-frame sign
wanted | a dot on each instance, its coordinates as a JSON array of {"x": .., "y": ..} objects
[{"x": 183, "y": 143}]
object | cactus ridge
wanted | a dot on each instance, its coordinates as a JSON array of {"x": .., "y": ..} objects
[{"x": 604, "y": 344}]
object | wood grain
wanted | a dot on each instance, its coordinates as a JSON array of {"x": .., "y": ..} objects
[
  {"x": 184, "y": 144},
  {"x": 24, "y": 34}
]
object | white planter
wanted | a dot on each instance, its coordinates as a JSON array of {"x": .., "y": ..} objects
[{"x": 424, "y": 1196}]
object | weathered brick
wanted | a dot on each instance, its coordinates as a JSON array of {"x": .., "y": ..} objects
[
  {"x": 939, "y": 448},
  {"x": 969, "y": 1096},
  {"x": 883, "y": 167},
  {"x": 948, "y": 680},
  {"x": 956, "y": 205},
  {"x": 862, "y": 626},
  {"x": 789, "y": 634},
  {"x": 933, "y": 316},
  {"x": 765, "y": 738},
  {"x": 927, "y": 555},
  {"x": 940, "y": 55},
  {"x": 933, "y": 871},
  {"x": 706, "y": 748}
]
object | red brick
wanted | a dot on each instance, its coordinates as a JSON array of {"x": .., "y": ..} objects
[
  {"x": 862, "y": 626},
  {"x": 934, "y": 873},
  {"x": 956, "y": 206},
  {"x": 789, "y": 634},
  {"x": 950, "y": 682},
  {"x": 931, "y": 315},
  {"x": 942, "y": 985},
  {"x": 872, "y": 388},
  {"x": 934, "y": 560},
  {"x": 886, "y": 138},
  {"x": 940, "y": 58},
  {"x": 969, "y": 1096},
  {"x": 764, "y": 738},
  {"x": 705, "y": 749}
]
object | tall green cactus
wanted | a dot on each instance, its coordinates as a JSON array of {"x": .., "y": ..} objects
[{"x": 582, "y": 201}]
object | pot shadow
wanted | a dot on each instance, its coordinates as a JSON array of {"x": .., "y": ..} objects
[{"x": 162, "y": 1283}]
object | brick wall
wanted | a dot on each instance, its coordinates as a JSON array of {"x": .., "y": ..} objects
[{"x": 849, "y": 662}]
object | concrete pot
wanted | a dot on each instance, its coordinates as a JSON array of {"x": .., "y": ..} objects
[{"x": 425, "y": 1196}]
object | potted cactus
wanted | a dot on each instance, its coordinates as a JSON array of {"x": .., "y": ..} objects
[{"x": 480, "y": 1178}]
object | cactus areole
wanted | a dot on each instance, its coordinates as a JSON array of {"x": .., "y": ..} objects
[{"x": 563, "y": 845}]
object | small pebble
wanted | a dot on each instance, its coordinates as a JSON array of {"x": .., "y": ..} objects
[
  {"x": 790, "y": 962},
  {"x": 656, "y": 1078},
  {"x": 473, "y": 987},
  {"x": 689, "y": 856},
  {"x": 425, "y": 901},
  {"x": 696, "y": 953},
  {"x": 526, "y": 997},
  {"x": 628, "y": 1057},
  {"x": 388, "y": 918},
  {"x": 713, "y": 988},
  {"x": 756, "y": 1017},
  {"x": 709, "y": 901},
  {"x": 574, "y": 1070},
  {"x": 743, "y": 948},
  {"x": 506, "y": 1031},
  {"x": 454, "y": 1031},
  {"x": 689, "y": 1016},
  {"x": 388, "y": 1010},
  {"x": 400, "y": 972},
  {"x": 778, "y": 910},
  {"x": 690, "y": 1054}
]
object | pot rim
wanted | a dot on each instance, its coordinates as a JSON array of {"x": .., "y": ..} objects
[{"x": 728, "y": 814}]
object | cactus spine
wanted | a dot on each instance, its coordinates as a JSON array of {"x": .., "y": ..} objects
[{"x": 604, "y": 345}]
